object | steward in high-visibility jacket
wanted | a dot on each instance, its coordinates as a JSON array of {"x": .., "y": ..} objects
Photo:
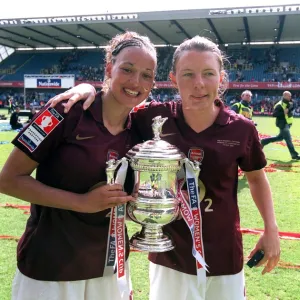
[
  {"x": 283, "y": 112},
  {"x": 243, "y": 108},
  {"x": 281, "y": 118}
]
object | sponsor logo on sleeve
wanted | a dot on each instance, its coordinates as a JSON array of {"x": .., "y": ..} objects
[
  {"x": 40, "y": 128},
  {"x": 196, "y": 154}
]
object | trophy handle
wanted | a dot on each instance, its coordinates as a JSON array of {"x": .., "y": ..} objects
[
  {"x": 112, "y": 165},
  {"x": 195, "y": 166}
]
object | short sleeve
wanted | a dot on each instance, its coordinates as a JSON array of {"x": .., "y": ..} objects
[
  {"x": 45, "y": 132},
  {"x": 254, "y": 158}
]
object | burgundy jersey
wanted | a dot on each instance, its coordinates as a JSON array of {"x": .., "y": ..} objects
[
  {"x": 72, "y": 150},
  {"x": 231, "y": 142}
]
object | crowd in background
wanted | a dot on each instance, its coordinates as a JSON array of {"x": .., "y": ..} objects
[
  {"x": 71, "y": 63},
  {"x": 261, "y": 100},
  {"x": 239, "y": 61}
]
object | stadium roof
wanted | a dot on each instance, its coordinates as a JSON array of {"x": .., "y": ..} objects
[{"x": 232, "y": 26}]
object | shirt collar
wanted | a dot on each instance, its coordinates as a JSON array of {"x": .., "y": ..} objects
[
  {"x": 223, "y": 117},
  {"x": 245, "y": 103},
  {"x": 96, "y": 110}
]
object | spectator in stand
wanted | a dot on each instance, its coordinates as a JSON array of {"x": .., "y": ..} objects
[
  {"x": 283, "y": 111},
  {"x": 14, "y": 120}
]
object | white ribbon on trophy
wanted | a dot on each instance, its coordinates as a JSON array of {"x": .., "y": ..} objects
[
  {"x": 116, "y": 245},
  {"x": 191, "y": 213}
]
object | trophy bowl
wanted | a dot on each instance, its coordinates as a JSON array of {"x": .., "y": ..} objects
[{"x": 155, "y": 164}]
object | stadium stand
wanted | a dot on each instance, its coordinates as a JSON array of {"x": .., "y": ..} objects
[
  {"x": 265, "y": 69},
  {"x": 246, "y": 65}
]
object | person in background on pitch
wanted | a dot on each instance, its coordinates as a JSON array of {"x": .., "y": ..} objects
[
  {"x": 243, "y": 107},
  {"x": 222, "y": 141},
  {"x": 31, "y": 115},
  {"x": 10, "y": 105},
  {"x": 62, "y": 254},
  {"x": 14, "y": 120},
  {"x": 283, "y": 112}
]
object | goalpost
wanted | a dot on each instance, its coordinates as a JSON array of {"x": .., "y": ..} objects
[{"x": 48, "y": 81}]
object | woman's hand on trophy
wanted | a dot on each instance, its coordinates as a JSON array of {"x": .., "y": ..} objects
[
  {"x": 104, "y": 197},
  {"x": 83, "y": 91}
]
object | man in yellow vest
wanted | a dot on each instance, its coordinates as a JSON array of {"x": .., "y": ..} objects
[
  {"x": 283, "y": 111},
  {"x": 243, "y": 107}
]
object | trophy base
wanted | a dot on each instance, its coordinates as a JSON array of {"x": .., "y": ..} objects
[{"x": 142, "y": 243}]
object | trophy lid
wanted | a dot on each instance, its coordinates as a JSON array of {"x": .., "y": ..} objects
[{"x": 156, "y": 148}]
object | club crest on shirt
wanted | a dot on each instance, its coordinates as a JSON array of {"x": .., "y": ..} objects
[
  {"x": 196, "y": 154},
  {"x": 40, "y": 128},
  {"x": 112, "y": 154}
]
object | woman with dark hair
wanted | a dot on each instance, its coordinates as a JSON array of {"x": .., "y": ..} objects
[{"x": 68, "y": 250}]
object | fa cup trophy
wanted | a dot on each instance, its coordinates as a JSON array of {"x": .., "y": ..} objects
[{"x": 155, "y": 164}]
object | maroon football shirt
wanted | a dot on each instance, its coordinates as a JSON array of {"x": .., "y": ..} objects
[
  {"x": 72, "y": 150},
  {"x": 231, "y": 142}
]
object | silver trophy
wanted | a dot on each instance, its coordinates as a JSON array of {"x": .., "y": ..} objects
[{"x": 155, "y": 164}]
